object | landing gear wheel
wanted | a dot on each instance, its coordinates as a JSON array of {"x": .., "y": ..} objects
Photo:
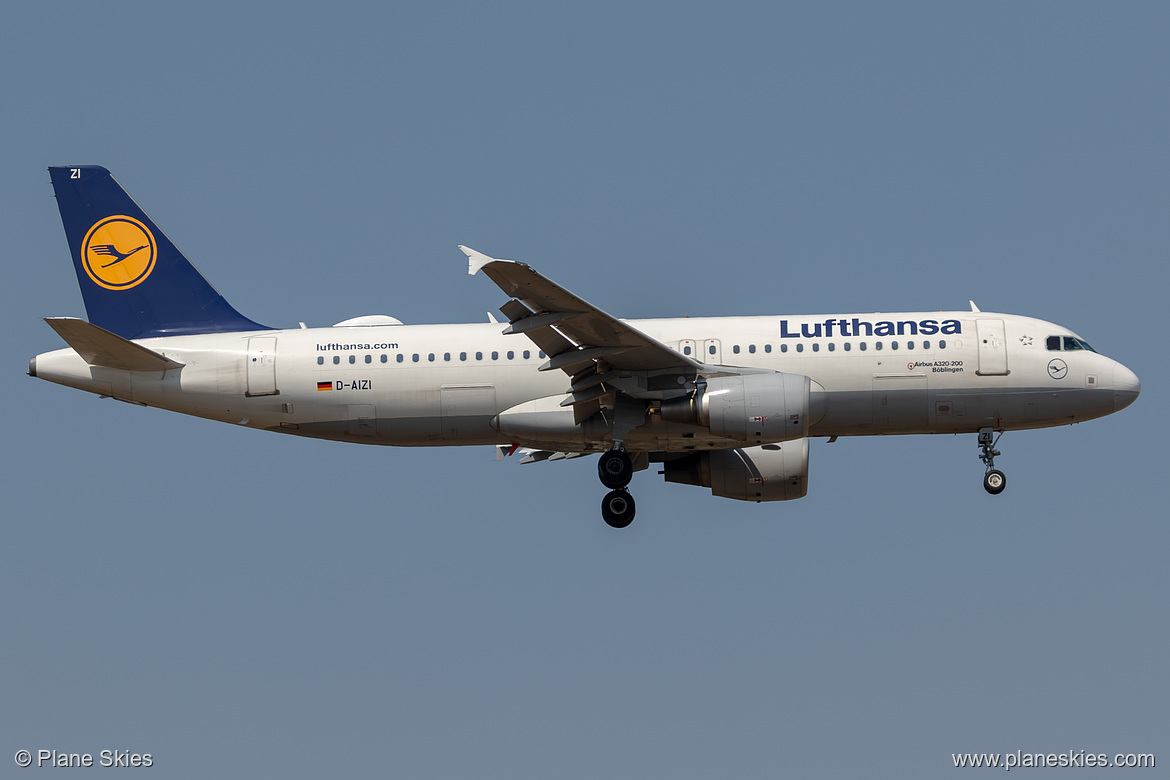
[
  {"x": 615, "y": 469},
  {"x": 994, "y": 482},
  {"x": 617, "y": 508}
]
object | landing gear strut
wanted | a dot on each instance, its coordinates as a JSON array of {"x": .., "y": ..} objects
[
  {"x": 615, "y": 469},
  {"x": 994, "y": 480}
]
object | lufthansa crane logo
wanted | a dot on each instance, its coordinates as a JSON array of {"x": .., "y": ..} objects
[
  {"x": 118, "y": 252},
  {"x": 1057, "y": 368}
]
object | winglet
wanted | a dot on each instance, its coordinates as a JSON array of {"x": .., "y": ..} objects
[
  {"x": 98, "y": 347},
  {"x": 477, "y": 260},
  {"x": 974, "y": 308}
]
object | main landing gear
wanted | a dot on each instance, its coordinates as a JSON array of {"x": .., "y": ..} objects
[
  {"x": 994, "y": 480},
  {"x": 615, "y": 469}
]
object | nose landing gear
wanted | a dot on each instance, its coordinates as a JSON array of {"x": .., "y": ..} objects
[
  {"x": 615, "y": 469},
  {"x": 994, "y": 481}
]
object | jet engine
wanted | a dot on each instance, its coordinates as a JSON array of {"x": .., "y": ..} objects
[
  {"x": 751, "y": 407},
  {"x": 772, "y": 472}
]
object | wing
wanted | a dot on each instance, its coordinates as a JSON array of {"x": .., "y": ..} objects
[
  {"x": 543, "y": 310},
  {"x": 597, "y": 350}
]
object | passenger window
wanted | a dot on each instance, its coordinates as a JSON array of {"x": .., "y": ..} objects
[
  {"x": 336, "y": 359},
  {"x": 414, "y": 357},
  {"x": 878, "y": 346},
  {"x": 527, "y": 354},
  {"x": 446, "y": 357},
  {"x": 909, "y": 345},
  {"x": 848, "y": 346},
  {"x": 383, "y": 358},
  {"x": 463, "y": 356},
  {"x": 352, "y": 359},
  {"x": 687, "y": 350},
  {"x": 369, "y": 358},
  {"x": 800, "y": 347},
  {"x": 893, "y": 345},
  {"x": 1070, "y": 344},
  {"x": 767, "y": 347},
  {"x": 752, "y": 349},
  {"x": 942, "y": 344},
  {"x": 862, "y": 346},
  {"x": 1053, "y": 343},
  {"x": 783, "y": 347},
  {"x": 479, "y": 356},
  {"x": 431, "y": 358},
  {"x": 399, "y": 357},
  {"x": 711, "y": 349},
  {"x": 832, "y": 347},
  {"x": 541, "y": 353},
  {"x": 511, "y": 354},
  {"x": 926, "y": 345},
  {"x": 495, "y": 355},
  {"x": 734, "y": 349},
  {"x": 320, "y": 360},
  {"x": 816, "y": 347}
]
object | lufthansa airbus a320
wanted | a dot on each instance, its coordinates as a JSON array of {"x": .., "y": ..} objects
[{"x": 726, "y": 403}]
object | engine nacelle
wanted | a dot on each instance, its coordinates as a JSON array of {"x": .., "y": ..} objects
[
  {"x": 748, "y": 408},
  {"x": 773, "y": 472}
]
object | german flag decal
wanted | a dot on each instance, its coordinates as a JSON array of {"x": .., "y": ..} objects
[{"x": 324, "y": 385}]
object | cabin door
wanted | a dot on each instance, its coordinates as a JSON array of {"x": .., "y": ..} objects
[{"x": 261, "y": 366}]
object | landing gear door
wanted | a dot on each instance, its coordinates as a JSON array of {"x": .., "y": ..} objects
[
  {"x": 261, "y": 366},
  {"x": 993, "y": 358}
]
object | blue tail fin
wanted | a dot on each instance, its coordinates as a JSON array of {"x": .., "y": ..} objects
[{"x": 134, "y": 281}]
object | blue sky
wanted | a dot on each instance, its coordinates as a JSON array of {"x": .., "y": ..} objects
[{"x": 243, "y": 603}]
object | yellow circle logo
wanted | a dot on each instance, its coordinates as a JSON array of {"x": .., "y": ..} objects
[{"x": 118, "y": 252}]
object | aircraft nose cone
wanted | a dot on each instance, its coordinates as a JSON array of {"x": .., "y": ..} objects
[{"x": 1126, "y": 387}]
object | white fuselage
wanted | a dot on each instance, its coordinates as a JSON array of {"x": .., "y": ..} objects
[{"x": 420, "y": 385}]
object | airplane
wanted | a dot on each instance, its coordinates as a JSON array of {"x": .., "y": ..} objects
[{"x": 725, "y": 403}]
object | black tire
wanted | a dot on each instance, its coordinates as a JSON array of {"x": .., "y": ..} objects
[
  {"x": 994, "y": 482},
  {"x": 617, "y": 509},
  {"x": 614, "y": 469}
]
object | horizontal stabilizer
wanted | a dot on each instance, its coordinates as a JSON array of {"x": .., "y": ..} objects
[{"x": 99, "y": 347}]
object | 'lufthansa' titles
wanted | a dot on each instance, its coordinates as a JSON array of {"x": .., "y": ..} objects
[{"x": 858, "y": 327}]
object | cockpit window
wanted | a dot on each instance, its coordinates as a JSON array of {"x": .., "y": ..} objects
[{"x": 1071, "y": 344}]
